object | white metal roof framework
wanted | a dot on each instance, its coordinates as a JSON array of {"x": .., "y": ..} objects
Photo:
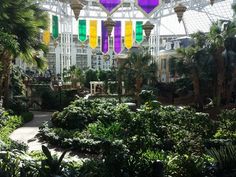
[{"x": 199, "y": 16}]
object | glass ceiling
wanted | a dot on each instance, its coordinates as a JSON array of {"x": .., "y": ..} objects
[
  {"x": 196, "y": 20},
  {"x": 196, "y": 17}
]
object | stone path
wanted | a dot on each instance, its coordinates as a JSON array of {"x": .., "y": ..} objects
[{"x": 26, "y": 134}]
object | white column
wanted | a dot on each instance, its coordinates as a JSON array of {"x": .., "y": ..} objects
[
  {"x": 89, "y": 55},
  {"x": 57, "y": 63}
]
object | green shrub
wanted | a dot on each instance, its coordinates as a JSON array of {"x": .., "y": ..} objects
[
  {"x": 225, "y": 159},
  {"x": 227, "y": 125},
  {"x": 8, "y": 124},
  {"x": 27, "y": 116},
  {"x": 52, "y": 100},
  {"x": 129, "y": 142},
  {"x": 19, "y": 164},
  {"x": 18, "y": 106},
  {"x": 189, "y": 166},
  {"x": 82, "y": 112},
  {"x": 101, "y": 131}
]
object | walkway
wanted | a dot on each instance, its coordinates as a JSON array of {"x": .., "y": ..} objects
[{"x": 26, "y": 134}]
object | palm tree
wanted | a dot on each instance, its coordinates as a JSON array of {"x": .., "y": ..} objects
[
  {"x": 8, "y": 44},
  {"x": 219, "y": 32},
  {"x": 139, "y": 64},
  {"x": 194, "y": 62},
  {"x": 230, "y": 55},
  {"x": 22, "y": 21}
]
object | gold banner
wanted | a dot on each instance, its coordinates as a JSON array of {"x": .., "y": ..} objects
[
  {"x": 46, "y": 37},
  {"x": 93, "y": 36},
  {"x": 128, "y": 34}
]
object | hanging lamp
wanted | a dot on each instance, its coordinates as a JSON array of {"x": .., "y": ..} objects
[
  {"x": 148, "y": 27},
  {"x": 76, "y": 6},
  {"x": 109, "y": 24},
  {"x": 212, "y": 2},
  {"x": 179, "y": 10},
  {"x": 55, "y": 43}
]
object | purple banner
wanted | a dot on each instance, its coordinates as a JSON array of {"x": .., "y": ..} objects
[
  {"x": 117, "y": 38},
  {"x": 105, "y": 42},
  {"x": 110, "y": 5},
  {"x": 148, "y": 5}
]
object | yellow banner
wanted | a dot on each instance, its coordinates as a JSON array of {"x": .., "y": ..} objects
[
  {"x": 46, "y": 37},
  {"x": 93, "y": 36},
  {"x": 128, "y": 34}
]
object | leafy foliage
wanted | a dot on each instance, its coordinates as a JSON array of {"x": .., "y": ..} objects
[
  {"x": 132, "y": 141},
  {"x": 225, "y": 158},
  {"x": 227, "y": 125}
]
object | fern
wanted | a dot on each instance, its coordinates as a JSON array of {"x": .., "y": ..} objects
[{"x": 225, "y": 157}]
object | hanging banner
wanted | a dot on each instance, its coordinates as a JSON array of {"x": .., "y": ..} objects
[
  {"x": 117, "y": 38},
  {"x": 148, "y": 7},
  {"x": 139, "y": 31},
  {"x": 55, "y": 30},
  {"x": 93, "y": 37},
  {"x": 46, "y": 37},
  {"x": 82, "y": 31},
  {"x": 128, "y": 34},
  {"x": 105, "y": 42},
  {"x": 110, "y": 6}
]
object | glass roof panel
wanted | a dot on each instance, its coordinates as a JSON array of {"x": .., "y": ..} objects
[
  {"x": 197, "y": 19},
  {"x": 200, "y": 16}
]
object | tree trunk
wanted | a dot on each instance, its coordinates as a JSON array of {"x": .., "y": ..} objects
[
  {"x": 119, "y": 84},
  {"x": 6, "y": 62},
  {"x": 196, "y": 89},
  {"x": 230, "y": 87},
  {"x": 220, "y": 75},
  {"x": 138, "y": 86},
  {"x": 2, "y": 73}
]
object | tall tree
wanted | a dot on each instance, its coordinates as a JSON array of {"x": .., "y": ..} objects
[
  {"x": 192, "y": 62},
  {"x": 219, "y": 32},
  {"x": 22, "y": 21},
  {"x": 139, "y": 64}
]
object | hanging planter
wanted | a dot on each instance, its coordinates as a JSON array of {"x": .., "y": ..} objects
[
  {"x": 76, "y": 6},
  {"x": 55, "y": 43},
  {"x": 212, "y": 2},
  {"x": 148, "y": 27},
  {"x": 179, "y": 10},
  {"x": 109, "y": 24}
]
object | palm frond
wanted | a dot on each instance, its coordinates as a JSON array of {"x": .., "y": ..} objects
[{"x": 225, "y": 157}]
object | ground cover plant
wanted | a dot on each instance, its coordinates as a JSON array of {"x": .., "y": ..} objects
[
  {"x": 20, "y": 164},
  {"x": 8, "y": 123},
  {"x": 133, "y": 141}
]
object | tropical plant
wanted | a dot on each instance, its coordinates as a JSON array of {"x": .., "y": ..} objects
[
  {"x": 219, "y": 33},
  {"x": 21, "y": 22},
  {"x": 90, "y": 75},
  {"x": 225, "y": 158},
  {"x": 139, "y": 67},
  {"x": 17, "y": 84},
  {"x": 191, "y": 63},
  {"x": 51, "y": 166}
]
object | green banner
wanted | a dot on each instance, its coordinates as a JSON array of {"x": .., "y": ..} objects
[
  {"x": 82, "y": 30},
  {"x": 139, "y": 31},
  {"x": 55, "y": 30}
]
